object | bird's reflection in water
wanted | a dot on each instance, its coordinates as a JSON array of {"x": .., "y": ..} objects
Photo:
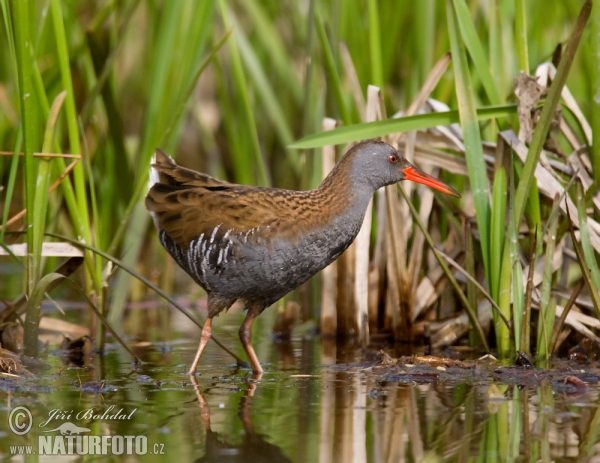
[
  {"x": 76, "y": 352},
  {"x": 253, "y": 448}
]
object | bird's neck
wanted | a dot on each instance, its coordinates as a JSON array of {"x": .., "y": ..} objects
[{"x": 345, "y": 194}]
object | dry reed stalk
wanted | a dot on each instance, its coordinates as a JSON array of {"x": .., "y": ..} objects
[
  {"x": 362, "y": 243},
  {"x": 407, "y": 268}
]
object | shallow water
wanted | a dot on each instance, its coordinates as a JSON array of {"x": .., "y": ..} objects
[{"x": 312, "y": 405}]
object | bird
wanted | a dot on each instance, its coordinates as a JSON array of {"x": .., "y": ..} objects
[{"x": 256, "y": 244}]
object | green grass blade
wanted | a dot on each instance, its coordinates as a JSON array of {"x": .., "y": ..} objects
[
  {"x": 500, "y": 280},
  {"x": 504, "y": 299},
  {"x": 495, "y": 54},
  {"x": 547, "y": 304},
  {"x": 10, "y": 33},
  {"x": 30, "y": 121},
  {"x": 425, "y": 21},
  {"x": 82, "y": 218},
  {"x": 471, "y": 136},
  {"x": 521, "y": 35},
  {"x": 498, "y": 221},
  {"x": 71, "y": 112},
  {"x": 377, "y": 129},
  {"x": 332, "y": 72},
  {"x": 471, "y": 40},
  {"x": 40, "y": 204},
  {"x": 375, "y": 46}
]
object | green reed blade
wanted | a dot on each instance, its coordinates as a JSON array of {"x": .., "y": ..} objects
[
  {"x": 501, "y": 275},
  {"x": 375, "y": 46},
  {"x": 378, "y": 129},
  {"x": 521, "y": 35},
  {"x": 82, "y": 219},
  {"x": 471, "y": 136},
  {"x": 497, "y": 68},
  {"x": 498, "y": 223},
  {"x": 30, "y": 121},
  {"x": 473, "y": 44},
  {"x": 332, "y": 74},
  {"x": 425, "y": 25},
  {"x": 547, "y": 304},
  {"x": 40, "y": 204}
]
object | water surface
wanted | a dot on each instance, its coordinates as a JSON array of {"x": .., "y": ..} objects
[{"x": 316, "y": 403}]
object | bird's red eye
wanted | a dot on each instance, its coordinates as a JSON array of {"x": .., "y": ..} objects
[{"x": 393, "y": 158}]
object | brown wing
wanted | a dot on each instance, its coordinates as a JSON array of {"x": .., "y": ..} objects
[{"x": 186, "y": 204}]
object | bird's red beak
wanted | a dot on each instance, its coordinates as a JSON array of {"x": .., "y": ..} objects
[{"x": 417, "y": 175}]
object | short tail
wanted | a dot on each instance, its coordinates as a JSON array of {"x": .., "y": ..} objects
[{"x": 160, "y": 157}]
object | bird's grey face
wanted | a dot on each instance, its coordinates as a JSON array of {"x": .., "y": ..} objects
[{"x": 380, "y": 164}]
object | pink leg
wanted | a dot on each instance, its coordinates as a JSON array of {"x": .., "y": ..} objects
[
  {"x": 246, "y": 338},
  {"x": 204, "y": 338}
]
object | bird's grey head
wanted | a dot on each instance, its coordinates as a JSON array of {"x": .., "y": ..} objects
[{"x": 374, "y": 164}]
